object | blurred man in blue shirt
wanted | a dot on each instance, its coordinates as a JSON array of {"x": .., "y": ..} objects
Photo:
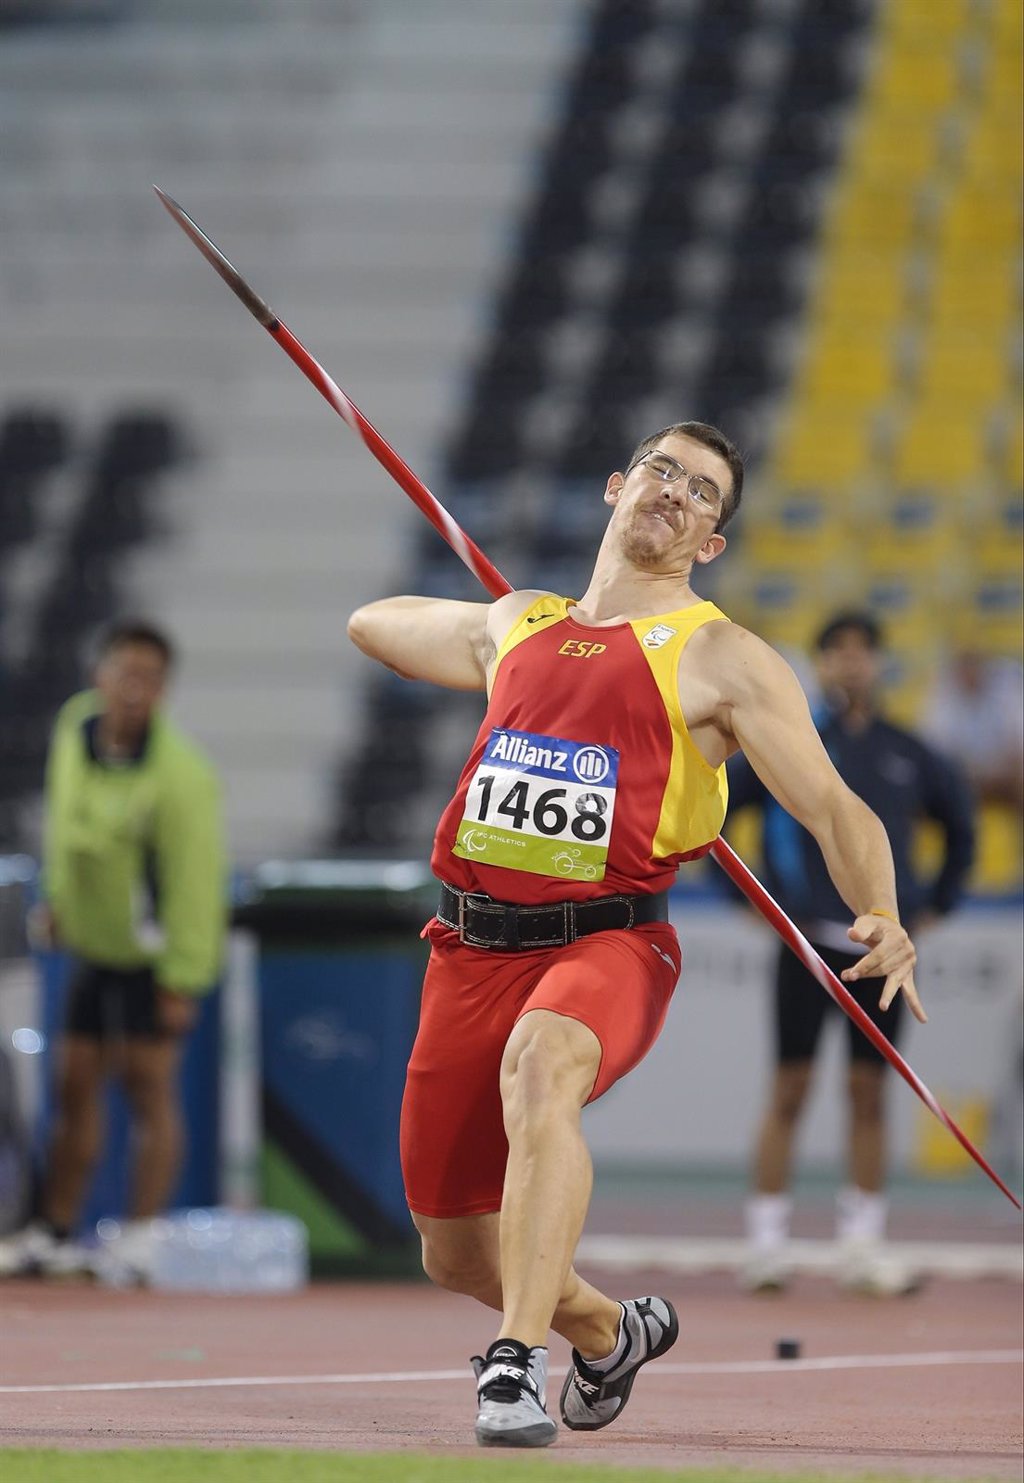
[{"x": 903, "y": 781}]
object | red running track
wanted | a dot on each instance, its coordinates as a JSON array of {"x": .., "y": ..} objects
[{"x": 952, "y": 1410}]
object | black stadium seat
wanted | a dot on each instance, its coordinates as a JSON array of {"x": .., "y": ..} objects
[{"x": 650, "y": 125}]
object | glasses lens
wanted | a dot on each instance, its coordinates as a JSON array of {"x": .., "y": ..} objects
[
  {"x": 706, "y": 493},
  {"x": 664, "y": 467}
]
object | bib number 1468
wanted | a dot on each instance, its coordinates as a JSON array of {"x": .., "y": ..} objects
[{"x": 544, "y": 811}]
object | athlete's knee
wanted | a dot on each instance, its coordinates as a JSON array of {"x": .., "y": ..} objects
[
  {"x": 792, "y": 1081},
  {"x": 150, "y": 1085},
  {"x": 867, "y": 1092},
  {"x": 472, "y": 1273}
]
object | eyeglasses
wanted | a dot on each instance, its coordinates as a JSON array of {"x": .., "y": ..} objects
[{"x": 705, "y": 493}]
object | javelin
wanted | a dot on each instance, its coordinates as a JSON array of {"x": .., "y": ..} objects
[{"x": 497, "y": 586}]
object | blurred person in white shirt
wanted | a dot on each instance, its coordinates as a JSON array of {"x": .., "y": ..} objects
[{"x": 976, "y": 715}]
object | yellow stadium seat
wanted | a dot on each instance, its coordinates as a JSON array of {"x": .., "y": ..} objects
[
  {"x": 995, "y": 609},
  {"x": 853, "y": 294},
  {"x": 800, "y": 530},
  {"x": 815, "y": 451},
  {"x": 979, "y": 301},
  {"x": 933, "y": 1156},
  {"x": 972, "y": 369},
  {"x": 923, "y": 20},
  {"x": 784, "y": 607},
  {"x": 1002, "y": 81},
  {"x": 744, "y": 831},
  {"x": 997, "y": 867},
  {"x": 783, "y": 591},
  {"x": 912, "y": 533},
  {"x": 995, "y": 148},
  {"x": 928, "y": 76},
  {"x": 991, "y": 170},
  {"x": 977, "y": 216},
  {"x": 998, "y": 208},
  {"x": 1002, "y": 511},
  {"x": 897, "y": 144},
  {"x": 792, "y": 632},
  {"x": 1008, "y": 22},
  {"x": 789, "y": 627},
  {"x": 987, "y": 277},
  {"x": 941, "y": 446},
  {"x": 844, "y": 367},
  {"x": 906, "y": 606},
  {"x": 997, "y": 554},
  {"x": 873, "y": 219}
]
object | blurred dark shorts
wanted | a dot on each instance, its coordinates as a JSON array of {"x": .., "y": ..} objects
[
  {"x": 801, "y": 1005},
  {"x": 112, "y": 1003}
]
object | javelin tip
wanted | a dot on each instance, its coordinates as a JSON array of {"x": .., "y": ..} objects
[{"x": 213, "y": 255}]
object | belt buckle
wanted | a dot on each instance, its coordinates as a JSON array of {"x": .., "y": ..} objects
[{"x": 469, "y": 896}]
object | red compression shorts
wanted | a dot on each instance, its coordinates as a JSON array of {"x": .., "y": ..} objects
[{"x": 453, "y": 1141}]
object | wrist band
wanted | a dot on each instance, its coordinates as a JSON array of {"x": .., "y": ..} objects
[{"x": 880, "y": 911}]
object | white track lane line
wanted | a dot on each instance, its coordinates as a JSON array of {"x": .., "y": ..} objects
[{"x": 401, "y": 1377}]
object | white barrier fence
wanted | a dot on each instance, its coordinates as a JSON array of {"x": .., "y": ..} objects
[{"x": 698, "y": 1096}]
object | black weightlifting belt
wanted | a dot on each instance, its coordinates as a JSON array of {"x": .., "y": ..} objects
[{"x": 481, "y": 922}]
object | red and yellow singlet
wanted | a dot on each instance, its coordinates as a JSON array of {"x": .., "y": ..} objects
[{"x": 583, "y": 780}]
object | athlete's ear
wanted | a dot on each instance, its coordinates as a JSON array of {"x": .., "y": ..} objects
[
  {"x": 712, "y": 547},
  {"x": 613, "y": 488}
]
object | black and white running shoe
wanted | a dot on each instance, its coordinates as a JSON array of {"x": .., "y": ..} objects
[
  {"x": 592, "y": 1398},
  {"x": 511, "y": 1384}
]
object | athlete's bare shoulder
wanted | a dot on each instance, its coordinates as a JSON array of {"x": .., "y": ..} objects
[
  {"x": 732, "y": 643},
  {"x": 734, "y": 663}
]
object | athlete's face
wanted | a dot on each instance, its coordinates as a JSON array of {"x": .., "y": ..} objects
[
  {"x": 663, "y": 522},
  {"x": 132, "y": 679}
]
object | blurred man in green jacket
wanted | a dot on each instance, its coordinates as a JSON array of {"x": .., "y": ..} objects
[{"x": 134, "y": 890}]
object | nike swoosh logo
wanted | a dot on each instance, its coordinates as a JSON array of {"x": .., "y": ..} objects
[{"x": 542, "y": 617}]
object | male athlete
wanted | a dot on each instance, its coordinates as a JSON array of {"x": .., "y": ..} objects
[{"x": 599, "y": 766}]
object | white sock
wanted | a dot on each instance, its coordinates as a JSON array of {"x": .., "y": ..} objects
[
  {"x": 609, "y": 1361},
  {"x": 860, "y": 1214},
  {"x": 767, "y": 1220}
]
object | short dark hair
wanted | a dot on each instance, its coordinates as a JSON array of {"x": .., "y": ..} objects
[
  {"x": 703, "y": 432},
  {"x": 852, "y": 621},
  {"x": 136, "y": 631}
]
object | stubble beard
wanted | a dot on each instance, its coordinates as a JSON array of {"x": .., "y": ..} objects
[{"x": 639, "y": 545}]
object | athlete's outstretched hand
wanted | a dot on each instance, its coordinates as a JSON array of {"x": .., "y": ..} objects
[{"x": 892, "y": 955}]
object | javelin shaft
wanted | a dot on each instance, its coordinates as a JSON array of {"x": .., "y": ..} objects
[
  {"x": 465, "y": 548},
  {"x": 496, "y": 585}
]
